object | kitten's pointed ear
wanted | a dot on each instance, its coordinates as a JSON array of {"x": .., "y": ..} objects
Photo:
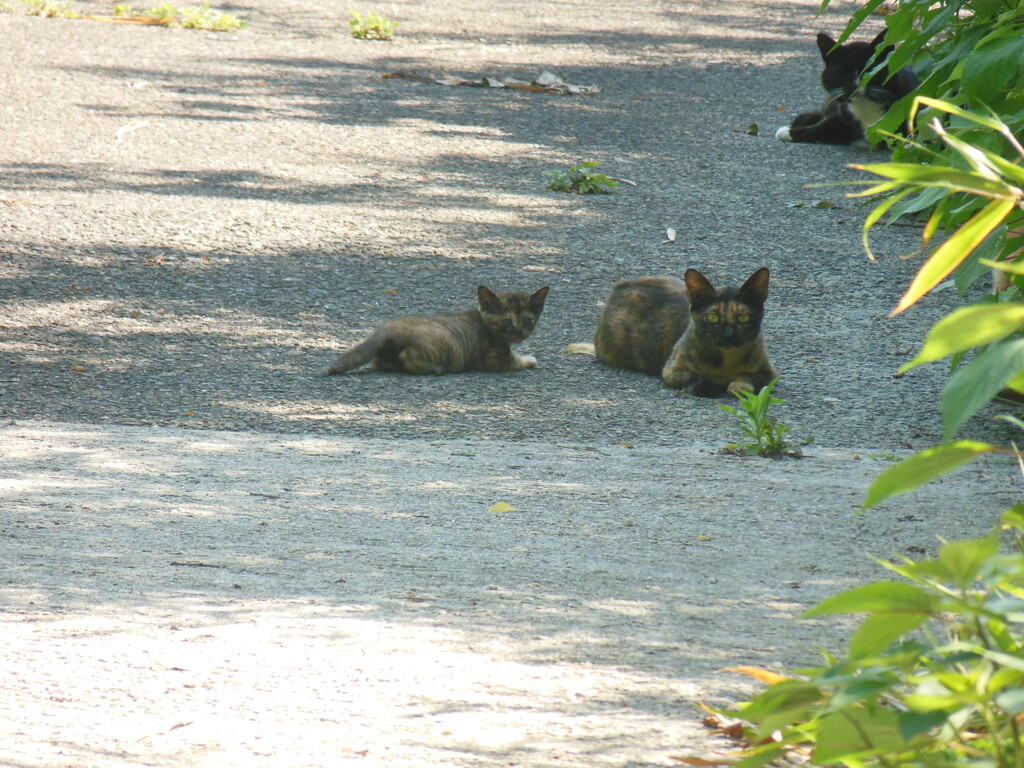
[
  {"x": 879, "y": 39},
  {"x": 487, "y": 298},
  {"x": 698, "y": 289},
  {"x": 755, "y": 290},
  {"x": 825, "y": 44},
  {"x": 536, "y": 301}
]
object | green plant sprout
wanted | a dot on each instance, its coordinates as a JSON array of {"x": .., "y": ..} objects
[
  {"x": 581, "y": 179},
  {"x": 375, "y": 26},
  {"x": 768, "y": 436}
]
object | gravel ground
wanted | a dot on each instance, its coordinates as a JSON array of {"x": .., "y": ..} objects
[
  {"x": 282, "y": 199},
  {"x": 199, "y": 531}
]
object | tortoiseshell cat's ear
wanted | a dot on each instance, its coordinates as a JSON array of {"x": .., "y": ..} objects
[
  {"x": 755, "y": 290},
  {"x": 879, "y": 39},
  {"x": 698, "y": 289},
  {"x": 825, "y": 44},
  {"x": 536, "y": 301},
  {"x": 489, "y": 301}
]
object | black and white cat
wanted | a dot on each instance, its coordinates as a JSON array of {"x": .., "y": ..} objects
[{"x": 849, "y": 109}]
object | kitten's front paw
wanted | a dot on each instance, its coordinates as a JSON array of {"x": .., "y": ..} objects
[
  {"x": 783, "y": 134},
  {"x": 527, "y": 361}
]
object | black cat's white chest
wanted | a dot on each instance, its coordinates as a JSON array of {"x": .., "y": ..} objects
[{"x": 864, "y": 109}]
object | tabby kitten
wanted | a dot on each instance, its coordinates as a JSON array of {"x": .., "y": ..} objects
[
  {"x": 478, "y": 340},
  {"x": 696, "y": 337},
  {"x": 849, "y": 109}
]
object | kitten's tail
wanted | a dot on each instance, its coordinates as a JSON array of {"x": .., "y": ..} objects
[{"x": 355, "y": 357}]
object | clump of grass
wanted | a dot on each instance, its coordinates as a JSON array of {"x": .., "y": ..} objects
[
  {"x": 190, "y": 17},
  {"x": 51, "y": 9},
  {"x": 375, "y": 26},
  {"x": 203, "y": 17},
  {"x": 581, "y": 179}
]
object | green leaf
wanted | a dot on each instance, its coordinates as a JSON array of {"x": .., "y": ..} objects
[
  {"x": 881, "y": 597},
  {"x": 948, "y": 255},
  {"x": 1013, "y": 518},
  {"x": 877, "y": 632},
  {"x": 923, "y": 467},
  {"x": 975, "y": 384},
  {"x": 761, "y": 755},
  {"x": 964, "y": 559},
  {"x": 1011, "y": 701},
  {"x": 968, "y": 327},
  {"x": 852, "y": 732},
  {"x": 990, "y": 67},
  {"x": 781, "y": 704}
]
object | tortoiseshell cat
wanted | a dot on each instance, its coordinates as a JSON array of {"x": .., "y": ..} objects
[
  {"x": 478, "y": 340},
  {"x": 696, "y": 337},
  {"x": 849, "y": 109}
]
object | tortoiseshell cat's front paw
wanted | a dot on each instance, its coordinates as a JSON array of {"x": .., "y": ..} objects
[
  {"x": 706, "y": 388},
  {"x": 739, "y": 385},
  {"x": 783, "y": 134}
]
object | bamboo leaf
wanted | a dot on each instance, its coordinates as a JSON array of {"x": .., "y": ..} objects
[
  {"x": 1010, "y": 267},
  {"x": 878, "y": 212},
  {"x": 968, "y": 327},
  {"x": 942, "y": 176},
  {"x": 948, "y": 255},
  {"x": 944, "y": 106},
  {"x": 923, "y": 467}
]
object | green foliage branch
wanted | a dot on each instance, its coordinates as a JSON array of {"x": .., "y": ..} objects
[
  {"x": 934, "y": 676},
  {"x": 962, "y": 172}
]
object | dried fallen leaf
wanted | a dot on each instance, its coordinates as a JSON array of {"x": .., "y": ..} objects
[
  {"x": 144, "y": 20},
  {"x": 752, "y": 129},
  {"x": 734, "y": 731},
  {"x": 764, "y": 675},
  {"x": 670, "y": 235},
  {"x": 702, "y": 537},
  {"x": 502, "y": 506},
  {"x": 780, "y": 108},
  {"x": 79, "y": 368},
  {"x": 124, "y": 130},
  {"x": 546, "y": 82},
  {"x": 392, "y": 291}
]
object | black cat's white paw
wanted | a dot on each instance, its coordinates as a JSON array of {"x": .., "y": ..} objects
[{"x": 783, "y": 134}]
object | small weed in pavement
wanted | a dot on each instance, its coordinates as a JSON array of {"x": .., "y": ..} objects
[
  {"x": 190, "y": 17},
  {"x": 53, "y": 9},
  {"x": 767, "y": 436},
  {"x": 581, "y": 179},
  {"x": 375, "y": 26}
]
